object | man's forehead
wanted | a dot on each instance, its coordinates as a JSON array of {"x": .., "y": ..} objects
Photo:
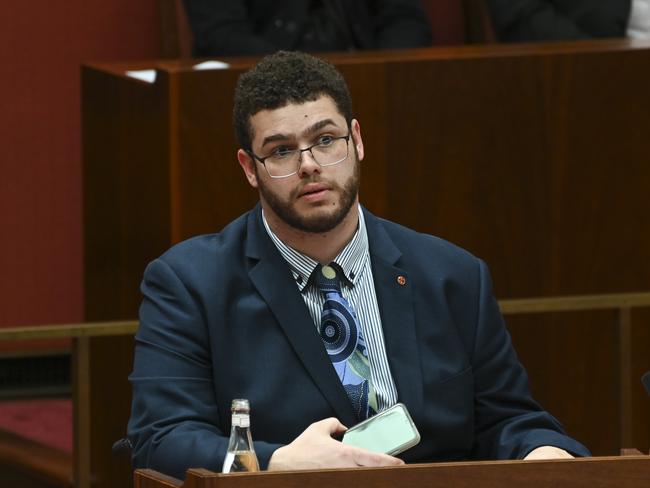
[
  {"x": 323, "y": 102},
  {"x": 296, "y": 117}
]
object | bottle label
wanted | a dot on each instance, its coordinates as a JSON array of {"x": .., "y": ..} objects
[{"x": 241, "y": 420}]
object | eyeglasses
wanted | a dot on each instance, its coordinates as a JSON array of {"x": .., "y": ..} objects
[{"x": 285, "y": 162}]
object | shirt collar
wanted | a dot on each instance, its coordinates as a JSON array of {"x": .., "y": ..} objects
[{"x": 351, "y": 259}]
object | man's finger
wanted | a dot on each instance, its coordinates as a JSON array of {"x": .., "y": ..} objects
[
  {"x": 330, "y": 426},
  {"x": 373, "y": 459}
]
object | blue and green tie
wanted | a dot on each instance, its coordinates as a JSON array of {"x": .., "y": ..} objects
[{"x": 344, "y": 342}]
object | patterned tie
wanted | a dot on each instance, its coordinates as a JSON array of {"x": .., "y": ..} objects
[{"x": 344, "y": 342}]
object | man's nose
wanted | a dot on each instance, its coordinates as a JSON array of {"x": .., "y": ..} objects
[{"x": 308, "y": 164}]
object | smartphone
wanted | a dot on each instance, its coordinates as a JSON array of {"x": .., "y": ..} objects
[{"x": 390, "y": 432}]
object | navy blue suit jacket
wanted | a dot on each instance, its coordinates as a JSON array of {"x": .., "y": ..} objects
[{"x": 222, "y": 318}]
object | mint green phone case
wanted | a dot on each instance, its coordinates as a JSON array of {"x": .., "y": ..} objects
[{"x": 390, "y": 432}]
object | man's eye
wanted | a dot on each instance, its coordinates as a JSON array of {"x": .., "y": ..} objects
[
  {"x": 282, "y": 151},
  {"x": 325, "y": 140}
]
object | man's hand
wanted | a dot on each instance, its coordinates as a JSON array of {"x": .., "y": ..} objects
[
  {"x": 547, "y": 452},
  {"x": 315, "y": 449}
]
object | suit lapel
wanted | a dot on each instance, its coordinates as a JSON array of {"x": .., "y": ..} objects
[
  {"x": 395, "y": 298},
  {"x": 271, "y": 277}
]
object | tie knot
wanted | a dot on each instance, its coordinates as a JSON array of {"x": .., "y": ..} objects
[{"x": 326, "y": 278}]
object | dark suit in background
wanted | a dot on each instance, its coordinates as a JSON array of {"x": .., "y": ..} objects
[
  {"x": 548, "y": 20},
  {"x": 255, "y": 27},
  {"x": 222, "y": 318}
]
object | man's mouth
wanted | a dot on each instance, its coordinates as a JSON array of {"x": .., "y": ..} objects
[{"x": 313, "y": 189}]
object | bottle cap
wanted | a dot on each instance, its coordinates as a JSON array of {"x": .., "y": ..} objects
[{"x": 240, "y": 405}]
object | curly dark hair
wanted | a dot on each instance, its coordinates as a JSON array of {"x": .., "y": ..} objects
[{"x": 282, "y": 78}]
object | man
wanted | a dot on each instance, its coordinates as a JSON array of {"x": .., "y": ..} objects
[
  {"x": 247, "y": 27},
  {"x": 251, "y": 312},
  {"x": 549, "y": 20}
]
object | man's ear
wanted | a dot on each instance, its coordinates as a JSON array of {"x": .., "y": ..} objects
[
  {"x": 247, "y": 164},
  {"x": 356, "y": 138}
]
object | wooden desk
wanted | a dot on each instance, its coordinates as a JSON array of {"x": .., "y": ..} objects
[
  {"x": 533, "y": 157},
  {"x": 604, "y": 472}
]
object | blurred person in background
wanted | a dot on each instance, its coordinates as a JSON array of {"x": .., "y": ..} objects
[
  {"x": 555, "y": 20},
  {"x": 256, "y": 27}
]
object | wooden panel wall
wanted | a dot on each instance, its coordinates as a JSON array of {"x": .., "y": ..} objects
[
  {"x": 127, "y": 222},
  {"x": 42, "y": 45}
]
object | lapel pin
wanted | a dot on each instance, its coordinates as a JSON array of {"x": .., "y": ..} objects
[{"x": 401, "y": 280}]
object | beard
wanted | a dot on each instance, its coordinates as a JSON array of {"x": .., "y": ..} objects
[{"x": 320, "y": 222}]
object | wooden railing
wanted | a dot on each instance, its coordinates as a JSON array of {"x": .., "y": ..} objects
[
  {"x": 85, "y": 422},
  {"x": 69, "y": 331},
  {"x": 614, "y": 301},
  {"x": 515, "y": 306}
]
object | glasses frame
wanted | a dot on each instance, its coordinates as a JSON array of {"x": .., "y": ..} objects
[{"x": 300, "y": 151}]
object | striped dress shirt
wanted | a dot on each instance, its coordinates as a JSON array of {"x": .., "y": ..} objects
[{"x": 357, "y": 287}]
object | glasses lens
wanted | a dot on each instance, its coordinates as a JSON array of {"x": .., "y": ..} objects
[
  {"x": 330, "y": 152},
  {"x": 284, "y": 164}
]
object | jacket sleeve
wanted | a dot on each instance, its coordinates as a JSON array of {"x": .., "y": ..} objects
[
  {"x": 224, "y": 28},
  {"x": 532, "y": 20},
  {"x": 175, "y": 422},
  {"x": 508, "y": 422}
]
